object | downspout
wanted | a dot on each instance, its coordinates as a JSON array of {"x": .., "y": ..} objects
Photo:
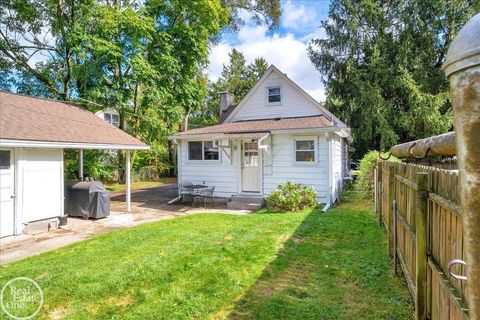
[
  {"x": 330, "y": 169},
  {"x": 462, "y": 65}
]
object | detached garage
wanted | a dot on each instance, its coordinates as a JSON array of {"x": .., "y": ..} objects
[{"x": 33, "y": 135}]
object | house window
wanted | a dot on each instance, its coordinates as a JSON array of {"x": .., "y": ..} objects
[
  {"x": 112, "y": 119},
  {"x": 202, "y": 150},
  {"x": 305, "y": 150},
  {"x": 274, "y": 95},
  {"x": 4, "y": 159}
]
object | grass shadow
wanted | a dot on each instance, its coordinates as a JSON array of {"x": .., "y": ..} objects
[{"x": 334, "y": 266}]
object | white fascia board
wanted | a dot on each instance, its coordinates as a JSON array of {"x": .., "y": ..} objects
[
  {"x": 307, "y": 130},
  {"x": 345, "y": 133},
  {"x": 195, "y": 136},
  {"x": 277, "y": 131},
  {"x": 67, "y": 145}
]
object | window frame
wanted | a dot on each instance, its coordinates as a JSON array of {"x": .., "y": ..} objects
[
  {"x": 203, "y": 152},
  {"x": 115, "y": 123},
  {"x": 110, "y": 116},
  {"x": 315, "y": 150},
  {"x": 268, "y": 95}
]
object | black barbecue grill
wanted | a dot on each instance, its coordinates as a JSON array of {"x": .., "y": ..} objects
[{"x": 87, "y": 199}]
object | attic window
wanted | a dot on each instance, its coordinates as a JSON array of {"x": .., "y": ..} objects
[
  {"x": 274, "y": 95},
  {"x": 112, "y": 119}
]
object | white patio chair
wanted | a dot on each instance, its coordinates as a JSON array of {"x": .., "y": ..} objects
[
  {"x": 184, "y": 190},
  {"x": 206, "y": 195}
]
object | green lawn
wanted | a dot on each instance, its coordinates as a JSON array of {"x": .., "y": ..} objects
[
  {"x": 306, "y": 265},
  {"x": 139, "y": 185}
]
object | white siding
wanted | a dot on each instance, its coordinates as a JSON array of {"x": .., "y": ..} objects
[
  {"x": 294, "y": 103},
  {"x": 41, "y": 188},
  {"x": 222, "y": 174},
  {"x": 225, "y": 175},
  {"x": 285, "y": 169}
]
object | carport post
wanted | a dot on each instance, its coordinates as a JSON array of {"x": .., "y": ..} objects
[
  {"x": 127, "y": 178},
  {"x": 80, "y": 165}
]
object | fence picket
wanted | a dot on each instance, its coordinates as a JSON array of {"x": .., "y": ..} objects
[{"x": 424, "y": 231}]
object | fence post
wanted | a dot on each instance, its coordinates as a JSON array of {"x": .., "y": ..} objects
[
  {"x": 421, "y": 235},
  {"x": 380, "y": 191},
  {"x": 375, "y": 189},
  {"x": 391, "y": 197},
  {"x": 395, "y": 237}
]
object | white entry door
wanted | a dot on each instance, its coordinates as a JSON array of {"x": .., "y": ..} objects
[
  {"x": 7, "y": 193},
  {"x": 251, "y": 167}
]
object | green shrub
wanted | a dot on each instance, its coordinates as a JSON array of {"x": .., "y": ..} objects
[
  {"x": 292, "y": 197},
  {"x": 364, "y": 182}
]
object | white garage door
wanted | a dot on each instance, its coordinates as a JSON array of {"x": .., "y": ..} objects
[{"x": 7, "y": 192}]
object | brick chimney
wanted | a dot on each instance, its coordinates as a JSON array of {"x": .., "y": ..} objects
[{"x": 226, "y": 100}]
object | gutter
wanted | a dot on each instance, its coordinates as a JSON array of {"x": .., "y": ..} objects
[{"x": 272, "y": 131}]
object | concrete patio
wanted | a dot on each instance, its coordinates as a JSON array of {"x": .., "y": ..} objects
[{"x": 148, "y": 205}]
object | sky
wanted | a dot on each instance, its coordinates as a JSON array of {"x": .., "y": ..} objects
[{"x": 285, "y": 47}]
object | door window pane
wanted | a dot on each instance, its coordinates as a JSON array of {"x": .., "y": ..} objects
[
  {"x": 250, "y": 158},
  {"x": 4, "y": 159},
  {"x": 195, "y": 150},
  {"x": 210, "y": 152}
]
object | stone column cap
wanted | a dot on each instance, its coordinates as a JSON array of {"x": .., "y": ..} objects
[{"x": 464, "y": 51}]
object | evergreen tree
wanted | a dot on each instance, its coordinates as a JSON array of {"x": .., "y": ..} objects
[
  {"x": 237, "y": 78},
  {"x": 381, "y": 63}
]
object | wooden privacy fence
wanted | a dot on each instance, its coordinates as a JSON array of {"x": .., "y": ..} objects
[{"x": 419, "y": 207}]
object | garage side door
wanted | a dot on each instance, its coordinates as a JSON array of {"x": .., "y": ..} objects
[
  {"x": 7, "y": 192},
  {"x": 42, "y": 184}
]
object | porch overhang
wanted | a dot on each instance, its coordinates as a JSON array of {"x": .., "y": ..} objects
[{"x": 224, "y": 136}]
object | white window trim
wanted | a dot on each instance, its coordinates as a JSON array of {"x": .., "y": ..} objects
[
  {"x": 281, "y": 96},
  {"x": 315, "y": 150},
  {"x": 110, "y": 114},
  {"x": 203, "y": 153}
]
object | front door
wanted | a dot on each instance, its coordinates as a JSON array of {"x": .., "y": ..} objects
[
  {"x": 7, "y": 193},
  {"x": 251, "y": 167}
]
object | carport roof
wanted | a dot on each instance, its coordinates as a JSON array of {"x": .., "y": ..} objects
[{"x": 36, "y": 122}]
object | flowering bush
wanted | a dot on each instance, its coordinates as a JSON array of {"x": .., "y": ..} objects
[{"x": 292, "y": 197}]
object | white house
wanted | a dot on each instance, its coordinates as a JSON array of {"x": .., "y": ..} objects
[
  {"x": 33, "y": 134},
  {"x": 277, "y": 133}
]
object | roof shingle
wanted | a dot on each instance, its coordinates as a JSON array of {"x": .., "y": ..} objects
[
  {"x": 35, "y": 119},
  {"x": 261, "y": 126}
]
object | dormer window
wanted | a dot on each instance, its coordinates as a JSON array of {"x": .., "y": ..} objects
[
  {"x": 274, "y": 95},
  {"x": 112, "y": 119}
]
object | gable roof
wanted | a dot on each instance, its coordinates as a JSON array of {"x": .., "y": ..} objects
[
  {"x": 226, "y": 113},
  {"x": 260, "y": 126},
  {"x": 289, "y": 81},
  {"x": 55, "y": 123}
]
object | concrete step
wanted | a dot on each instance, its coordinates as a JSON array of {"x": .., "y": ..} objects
[
  {"x": 248, "y": 199},
  {"x": 41, "y": 226},
  {"x": 234, "y": 205}
]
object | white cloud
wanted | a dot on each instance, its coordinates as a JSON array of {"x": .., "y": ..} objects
[
  {"x": 286, "y": 52},
  {"x": 297, "y": 17}
]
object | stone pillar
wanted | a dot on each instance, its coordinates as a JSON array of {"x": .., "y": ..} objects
[{"x": 462, "y": 65}]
